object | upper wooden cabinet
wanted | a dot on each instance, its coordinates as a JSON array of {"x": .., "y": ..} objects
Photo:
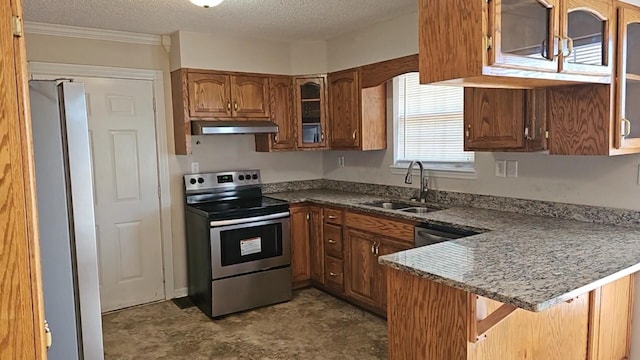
[
  {"x": 504, "y": 119},
  {"x": 215, "y": 95},
  {"x": 310, "y": 110},
  {"x": 516, "y": 43},
  {"x": 627, "y": 87},
  {"x": 282, "y": 113},
  {"x": 358, "y": 116}
]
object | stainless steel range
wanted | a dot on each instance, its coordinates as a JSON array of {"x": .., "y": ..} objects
[{"x": 238, "y": 243}]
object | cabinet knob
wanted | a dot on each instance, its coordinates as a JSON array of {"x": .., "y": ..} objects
[
  {"x": 332, "y": 217},
  {"x": 331, "y": 241},
  {"x": 275, "y": 139},
  {"x": 373, "y": 248},
  {"x": 322, "y": 136},
  {"x": 228, "y": 105},
  {"x": 235, "y": 106},
  {"x": 333, "y": 274},
  {"x": 569, "y": 47},
  {"x": 355, "y": 134}
]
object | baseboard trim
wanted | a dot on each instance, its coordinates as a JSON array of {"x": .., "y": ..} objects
[{"x": 180, "y": 293}]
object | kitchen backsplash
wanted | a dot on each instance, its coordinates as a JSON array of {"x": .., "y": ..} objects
[{"x": 585, "y": 213}]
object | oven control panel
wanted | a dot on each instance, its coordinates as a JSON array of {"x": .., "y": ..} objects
[{"x": 223, "y": 179}]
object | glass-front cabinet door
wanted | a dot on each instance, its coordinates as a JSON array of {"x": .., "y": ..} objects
[
  {"x": 524, "y": 34},
  {"x": 310, "y": 99},
  {"x": 628, "y": 84},
  {"x": 587, "y": 37}
]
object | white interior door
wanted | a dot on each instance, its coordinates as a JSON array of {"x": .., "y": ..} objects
[{"x": 123, "y": 145}]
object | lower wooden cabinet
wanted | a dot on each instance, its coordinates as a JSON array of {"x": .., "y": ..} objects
[
  {"x": 300, "y": 244},
  {"x": 338, "y": 251}
]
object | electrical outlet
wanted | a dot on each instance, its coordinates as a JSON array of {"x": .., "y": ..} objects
[
  {"x": 512, "y": 168},
  {"x": 195, "y": 167},
  {"x": 501, "y": 168},
  {"x": 341, "y": 161}
]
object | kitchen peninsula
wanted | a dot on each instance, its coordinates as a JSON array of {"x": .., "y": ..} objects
[{"x": 535, "y": 288}]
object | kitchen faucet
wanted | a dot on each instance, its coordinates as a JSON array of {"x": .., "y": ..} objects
[{"x": 424, "y": 181}]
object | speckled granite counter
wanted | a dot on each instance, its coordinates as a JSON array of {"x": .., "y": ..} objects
[{"x": 531, "y": 262}]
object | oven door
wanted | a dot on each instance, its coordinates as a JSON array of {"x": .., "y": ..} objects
[{"x": 241, "y": 246}]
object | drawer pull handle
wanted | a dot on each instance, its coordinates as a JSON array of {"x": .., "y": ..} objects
[
  {"x": 332, "y": 217},
  {"x": 333, "y": 274},
  {"x": 331, "y": 241}
]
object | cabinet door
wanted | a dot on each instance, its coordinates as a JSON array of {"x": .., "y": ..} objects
[
  {"x": 627, "y": 133},
  {"x": 311, "y": 119},
  {"x": 209, "y": 95},
  {"x": 523, "y": 34},
  {"x": 282, "y": 113},
  {"x": 587, "y": 25},
  {"x": 300, "y": 244},
  {"x": 494, "y": 119},
  {"x": 361, "y": 266},
  {"x": 315, "y": 242},
  {"x": 250, "y": 96},
  {"x": 344, "y": 102},
  {"x": 385, "y": 247}
]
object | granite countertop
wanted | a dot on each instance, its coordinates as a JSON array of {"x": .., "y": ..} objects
[{"x": 531, "y": 262}]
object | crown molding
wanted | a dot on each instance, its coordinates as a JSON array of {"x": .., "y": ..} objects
[{"x": 89, "y": 33}]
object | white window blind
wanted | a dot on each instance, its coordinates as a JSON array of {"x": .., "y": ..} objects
[{"x": 430, "y": 122}]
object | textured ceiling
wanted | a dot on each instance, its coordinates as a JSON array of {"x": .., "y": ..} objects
[{"x": 284, "y": 20}]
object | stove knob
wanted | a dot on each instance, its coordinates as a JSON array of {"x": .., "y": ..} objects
[
  {"x": 200, "y": 180},
  {"x": 192, "y": 181},
  {"x": 241, "y": 177},
  {"x": 255, "y": 176},
  {"x": 248, "y": 176}
]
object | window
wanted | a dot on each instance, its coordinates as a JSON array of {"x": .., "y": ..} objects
[{"x": 430, "y": 125}]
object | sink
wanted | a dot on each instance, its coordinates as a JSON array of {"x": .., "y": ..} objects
[
  {"x": 419, "y": 210},
  {"x": 393, "y": 205}
]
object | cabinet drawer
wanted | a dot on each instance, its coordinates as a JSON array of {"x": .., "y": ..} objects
[
  {"x": 334, "y": 272},
  {"x": 333, "y": 240},
  {"x": 381, "y": 226},
  {"x": 333, "y": 216}
]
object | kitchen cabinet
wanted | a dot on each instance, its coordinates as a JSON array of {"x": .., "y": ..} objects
[
  {"x": 504, "y": 119},
  {"x": 358, "y": 116},
  {"x": 214, "y": 95},
  {"x": 300, "y": 244},
  {"x": 311, "y": 115},
  {"x": 316, "y": 242},
  {"x": 333, "y": 249},
  {"x": 217, "y": 95},
  {"x": 516, "y": 43},
  {"x": 362, "y": 266},
  {"x": 366, "y": 238},
  {"x": 627, "y": 86},
  {"x": 282, "y": 113}
]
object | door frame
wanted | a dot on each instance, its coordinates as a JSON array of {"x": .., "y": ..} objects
[{"x": 162, "y": 148}]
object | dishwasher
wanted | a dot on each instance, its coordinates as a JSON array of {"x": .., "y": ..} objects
[{"x": 429, "y": 234}]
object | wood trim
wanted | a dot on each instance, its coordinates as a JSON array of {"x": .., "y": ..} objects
[
  {"x": 378, "y": 73},
  {"x": 21, "y": 298},
  {"x": 181, "y": 118},
  {"x": 594, "y": 324}
]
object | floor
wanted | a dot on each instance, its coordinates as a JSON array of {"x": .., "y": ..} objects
[{"x": 313, "y": 325}]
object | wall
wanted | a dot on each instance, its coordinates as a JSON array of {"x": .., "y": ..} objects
[{"x": 213, "y": 152}]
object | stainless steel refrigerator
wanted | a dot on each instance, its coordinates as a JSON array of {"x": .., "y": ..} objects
[{"x": 66, "y": 219}]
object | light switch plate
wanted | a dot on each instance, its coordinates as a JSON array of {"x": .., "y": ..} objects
[
  {"x": 501, "y": 168},
  {"x": 195, "y": 167},
  {"x": 341, "y": 161},
  {"x": 512, "y": 168}
]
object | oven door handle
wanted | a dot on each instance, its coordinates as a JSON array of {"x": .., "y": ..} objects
[{"x": 249, "y": 220}]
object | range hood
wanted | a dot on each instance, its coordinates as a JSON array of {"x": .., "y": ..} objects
[{"x": 233, "y": 127}]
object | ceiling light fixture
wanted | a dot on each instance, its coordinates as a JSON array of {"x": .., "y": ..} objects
[{"x": 207, "y": 3}]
